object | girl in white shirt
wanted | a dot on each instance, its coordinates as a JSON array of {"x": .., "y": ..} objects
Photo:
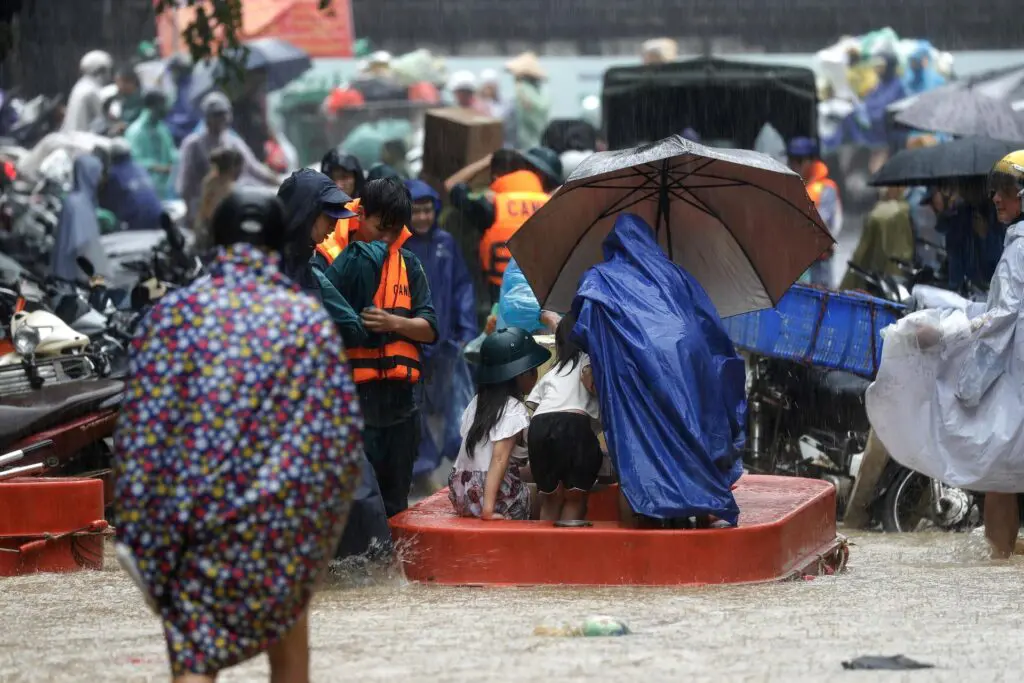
[
  {"x": 485, "y": 481},
  {"x": 565, "y": 455}
]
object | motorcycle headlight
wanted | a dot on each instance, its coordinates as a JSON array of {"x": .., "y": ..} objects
[{"x": 26, "y": 339}]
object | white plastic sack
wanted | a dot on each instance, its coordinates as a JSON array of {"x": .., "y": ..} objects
[{"x": 915, "y": 409}]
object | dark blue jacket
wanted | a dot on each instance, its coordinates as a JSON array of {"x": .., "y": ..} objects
[
  {"x": 130, "y": 195},
  {"x": 970, "y": 256},
  {"x": 451, "y": 288}
]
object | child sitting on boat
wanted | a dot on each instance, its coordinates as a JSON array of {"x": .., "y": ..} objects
[
  {"x": 565, "y": 455},
  {"x": 485, "y": 481}
]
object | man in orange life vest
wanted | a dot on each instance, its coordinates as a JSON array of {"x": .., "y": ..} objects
[
  {"x": 386, "y": 284},
  {"x": 805, "y": 159},
  {"x": 516, "y": 192}
]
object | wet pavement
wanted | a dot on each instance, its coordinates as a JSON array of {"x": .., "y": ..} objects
[{"x": 932, "y": 597}]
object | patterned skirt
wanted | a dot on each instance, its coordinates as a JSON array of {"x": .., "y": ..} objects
[{"x": 466, "y": 492}]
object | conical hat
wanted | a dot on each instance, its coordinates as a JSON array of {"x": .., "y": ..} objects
[{"x": 526, "y": 64}]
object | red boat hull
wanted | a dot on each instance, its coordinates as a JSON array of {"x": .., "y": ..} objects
[{"x": 787, "y": 529}]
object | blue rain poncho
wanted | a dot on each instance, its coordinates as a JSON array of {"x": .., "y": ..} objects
[{"x": 669, "y": 381}]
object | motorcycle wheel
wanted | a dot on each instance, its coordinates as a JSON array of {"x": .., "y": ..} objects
[{"x": 908, "y": 501}]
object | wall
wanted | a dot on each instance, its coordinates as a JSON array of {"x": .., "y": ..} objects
[
  {"x": 596, "y": 27},
  {"x": 52, "y": 35}
]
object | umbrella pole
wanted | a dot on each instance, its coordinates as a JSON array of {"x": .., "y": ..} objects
[{"x": 663, "y": 208}]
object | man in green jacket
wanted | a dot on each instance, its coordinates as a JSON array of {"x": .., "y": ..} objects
[
  {"x": 152, "y": 143},
  {"x": 383, "y": 328}
]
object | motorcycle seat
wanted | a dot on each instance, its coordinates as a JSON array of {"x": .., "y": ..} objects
[
  {"x": 844, "y": 383},
  {"x": 28, "y": 413}
]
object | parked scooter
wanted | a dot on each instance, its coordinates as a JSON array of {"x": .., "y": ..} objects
[
  {"x": 812, "y": 422},
  {"x": 60, "y": 430}
]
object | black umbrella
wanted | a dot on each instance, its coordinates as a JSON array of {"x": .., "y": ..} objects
[
  {"x": 281, "y": 61},
  {"x": 958, "y": 159},
  {"x": 983, "y": 106},
  {"x": 738, "y": 221}
]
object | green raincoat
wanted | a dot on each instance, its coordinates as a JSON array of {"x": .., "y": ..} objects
[{"x": 153, "y": 149}]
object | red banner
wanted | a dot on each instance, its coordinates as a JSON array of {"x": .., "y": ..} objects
[{"x": 327, "y": 33}]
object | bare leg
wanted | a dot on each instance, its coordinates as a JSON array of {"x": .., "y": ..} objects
[
  {"x": 194, "y": 678},
  {"x": 551, "y": 505},
  {"x": 1002, "y": 522},
  {"x": 575, "y": 504},
  {"x": 289, "y": 657}
]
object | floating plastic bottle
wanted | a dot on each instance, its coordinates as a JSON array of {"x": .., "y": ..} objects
[{"x": 591, "y": 626}]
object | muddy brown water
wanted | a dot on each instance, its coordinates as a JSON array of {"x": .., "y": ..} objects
[{"x": 934, "y": 597}]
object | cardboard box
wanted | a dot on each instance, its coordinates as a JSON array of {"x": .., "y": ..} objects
[{"x": 454, "y": 138}]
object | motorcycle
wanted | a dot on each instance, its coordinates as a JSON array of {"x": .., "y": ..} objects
[
  {"x": 41, "y": 349},
  {"x": 812, "y": 422},
  {"x": 61, "y": 430}
]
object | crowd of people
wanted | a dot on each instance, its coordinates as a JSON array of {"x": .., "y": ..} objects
[{"x": 283, "y": 407}]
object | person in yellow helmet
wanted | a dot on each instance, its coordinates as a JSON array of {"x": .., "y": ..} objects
[{"x": 995, "y": 342}]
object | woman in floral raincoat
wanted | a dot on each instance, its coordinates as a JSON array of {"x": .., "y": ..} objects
[{"x": 236, "y": 453}]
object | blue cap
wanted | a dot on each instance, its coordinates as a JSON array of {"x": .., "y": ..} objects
[
  {"x": 802, "y": 148},
  {"x": 333, "y": 201}
]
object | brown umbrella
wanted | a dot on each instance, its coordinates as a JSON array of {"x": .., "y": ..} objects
[{"x": 738, "y": 221}]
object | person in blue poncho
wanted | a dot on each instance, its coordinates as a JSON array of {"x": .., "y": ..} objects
[
  {"x": 668, "y": 379},
  {"x": 921, "y": 76},
  {"x": 129, "y": 192},
  {"x": 447, "y": 386}
]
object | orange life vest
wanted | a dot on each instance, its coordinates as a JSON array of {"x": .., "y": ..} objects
[
  {"x": 816, "y": 184},
  {"x": 398, "y": 358},
  {"x": 818, "y": 181},
  {"x": 336, "y": 242},
  {"x": 517, "y": 196}
]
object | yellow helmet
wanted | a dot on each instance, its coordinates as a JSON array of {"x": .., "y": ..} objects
[{"x": 1008, "y": 173}]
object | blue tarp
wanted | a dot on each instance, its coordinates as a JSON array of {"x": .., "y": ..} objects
[{"x": 669, "y": 381}]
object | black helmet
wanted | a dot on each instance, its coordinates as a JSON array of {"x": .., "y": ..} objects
[
  {"x": 337, "y": 158},
  {"x": 506, "y": 354},
  {"x": 252, "y": 216}
]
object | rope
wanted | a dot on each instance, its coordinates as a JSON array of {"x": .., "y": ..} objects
[{"x": 99, "y": 527}]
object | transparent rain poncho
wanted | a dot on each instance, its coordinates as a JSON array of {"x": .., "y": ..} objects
[{"x": 948, "y": 400}]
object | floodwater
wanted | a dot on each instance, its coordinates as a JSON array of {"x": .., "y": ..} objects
[{"x": 932, "y": 597}]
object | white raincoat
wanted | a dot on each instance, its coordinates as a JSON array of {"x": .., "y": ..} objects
[{"x": 949, "y": 397}]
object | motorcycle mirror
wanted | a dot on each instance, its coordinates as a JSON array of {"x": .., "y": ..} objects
[
  {"x": 140, "y": 297},
  {"x": 86, "y": 266},
  {"x": 174, "y": 238}
]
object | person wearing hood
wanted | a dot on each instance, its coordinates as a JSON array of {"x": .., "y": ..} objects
[
  {"x": 78, "y": 230},
  {"x": 447, "y": 387},
  {"x": 234, "y": 479},
  {"x": 152, "y": 143},
  {"x": 805, "y": 159},
  {"x": 196, "y": 149},
  {"x": 85, "y": 103},
  {"x": 313, "y": 205},
  {"x": 670, "y": 383},
  {"x": 921, "y": 76},
  {"x": 128, "y": 192},
  {"x": 345, "y": 170},
  {"x": 874, "y": 111},
  {"x": 377, "y": 293},
  {"x": 347, "y": 173}
]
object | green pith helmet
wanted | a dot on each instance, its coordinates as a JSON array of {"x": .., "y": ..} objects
[{"x": 508, "y": 353}]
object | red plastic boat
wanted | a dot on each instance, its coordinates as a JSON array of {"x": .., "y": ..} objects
[{"x": 787, "y": 530}]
